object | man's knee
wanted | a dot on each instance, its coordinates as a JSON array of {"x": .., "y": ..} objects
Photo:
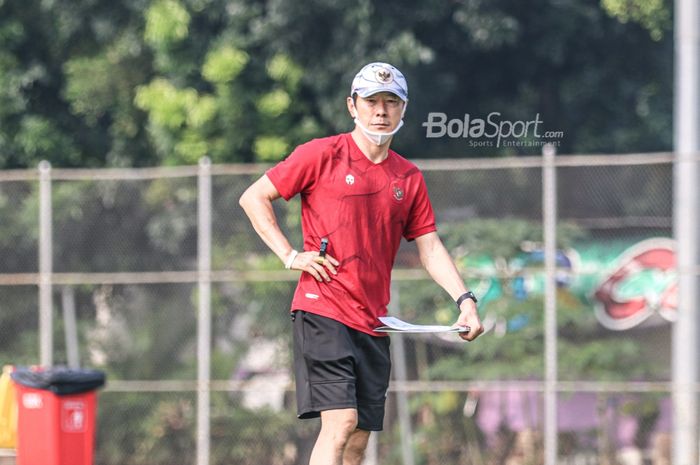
[{"x": 339, "y": 424}]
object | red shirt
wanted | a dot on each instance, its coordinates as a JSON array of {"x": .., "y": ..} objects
[{"x": 363, "y": 209}]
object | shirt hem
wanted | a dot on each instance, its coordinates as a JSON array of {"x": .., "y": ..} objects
[{"x": 335, "y": 316}]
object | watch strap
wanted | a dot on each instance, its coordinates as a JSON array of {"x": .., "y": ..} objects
[{"x": 465, "y": 296}]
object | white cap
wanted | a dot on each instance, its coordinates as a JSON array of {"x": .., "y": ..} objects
[{"x": 379, "y": 77}]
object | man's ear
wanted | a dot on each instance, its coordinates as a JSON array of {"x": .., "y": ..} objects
[{"x": 351, "y": 107}]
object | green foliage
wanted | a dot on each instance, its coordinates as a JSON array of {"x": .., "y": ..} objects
[
  {"x": 223, "y": 65},
  {"x": 18, "y": 323},
  {"x": 270, "y": 148},
  {"x": 167, "y": 22},
  {"x": 140, "y": 428},
  {"x": 263, "y": 436},
  {"x": 131, "y": 84},
  {"x": 274, "y": 103},
  {"x": 89, "y": 87},
  {"x": 167, "y": 106},
  {"x": 653, "y": 15},
  {"x": 38, "y": 137},
  {"x": 282, "y": 69},
  {"x": 177, "y": 118},
  {"x": 502, "y": 237}
]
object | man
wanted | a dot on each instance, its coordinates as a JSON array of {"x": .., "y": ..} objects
[{"x": 358, "y": 199}]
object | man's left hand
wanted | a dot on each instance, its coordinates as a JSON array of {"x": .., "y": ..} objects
[{"x": 469, "y": 317}]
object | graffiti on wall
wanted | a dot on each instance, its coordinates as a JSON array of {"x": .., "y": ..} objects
[{"x": 627, "y": 283}]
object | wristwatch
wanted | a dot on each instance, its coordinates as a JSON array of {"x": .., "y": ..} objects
[{"x": 465, "y": 296}]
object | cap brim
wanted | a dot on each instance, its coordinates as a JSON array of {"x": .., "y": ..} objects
[{"x": 375, "y": 90}]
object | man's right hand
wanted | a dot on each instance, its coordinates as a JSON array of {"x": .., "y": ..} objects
[{"x": 319, "y": 267}]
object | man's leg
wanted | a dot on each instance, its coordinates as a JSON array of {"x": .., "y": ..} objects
[
  {"x": 337, "y": 426},
  {"x": 355, "y": 448}
]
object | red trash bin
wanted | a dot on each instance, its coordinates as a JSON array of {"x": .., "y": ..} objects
[{"x": 56, "y": 415}]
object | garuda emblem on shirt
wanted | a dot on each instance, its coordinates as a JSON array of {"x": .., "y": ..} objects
[{"x": 397, "y": 191}]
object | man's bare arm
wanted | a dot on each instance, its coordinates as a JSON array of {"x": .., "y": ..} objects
[
  {"x": 257, "y": 204},
  {"x": 441, "y": 268}
]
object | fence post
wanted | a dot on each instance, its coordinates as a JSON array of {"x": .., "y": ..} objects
[
  {"x": 399, "y": 357},
  {"x": 204, "y": 310},
  {"x": 684, "y": 353},
  {"x": 45, "y": 266},
  {"x": 372, "y": 451},
  {"x": 71, "y": 326},
  {"x": 549, "y": 214}
]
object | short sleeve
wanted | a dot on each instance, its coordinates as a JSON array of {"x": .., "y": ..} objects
[
  {"x": 421, "y": 219},
  {"x": 298, "y": 172}
]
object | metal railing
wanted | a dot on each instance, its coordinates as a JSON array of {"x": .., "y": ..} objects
[{"x": 47, "y": 279}]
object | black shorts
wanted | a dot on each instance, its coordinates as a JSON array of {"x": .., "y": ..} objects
[{"x": 338, "y": 367}]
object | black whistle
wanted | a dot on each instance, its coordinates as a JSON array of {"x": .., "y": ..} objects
[{"x": 324, "y": 247}]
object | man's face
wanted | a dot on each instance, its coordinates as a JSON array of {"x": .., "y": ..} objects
[{"x": 380, "y": 112}]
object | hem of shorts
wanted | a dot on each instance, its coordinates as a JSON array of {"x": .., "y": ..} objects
[
  {"x": 371, "y": 404},
  {"x": 371, "y": 428},
  {"x": 315, "y": 412}
]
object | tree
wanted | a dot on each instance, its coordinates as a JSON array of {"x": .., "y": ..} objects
[{"x": 168, "y": 81}]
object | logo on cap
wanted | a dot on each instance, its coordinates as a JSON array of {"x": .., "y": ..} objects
[
  {"x": 384, "y": 76},
  {"x": 379, "y": 77}
]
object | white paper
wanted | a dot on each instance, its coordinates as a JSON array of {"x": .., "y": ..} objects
[{"x": 394, "y": 325}]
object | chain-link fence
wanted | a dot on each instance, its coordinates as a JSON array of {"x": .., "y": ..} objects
[{"x": 125, "y": 263}]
